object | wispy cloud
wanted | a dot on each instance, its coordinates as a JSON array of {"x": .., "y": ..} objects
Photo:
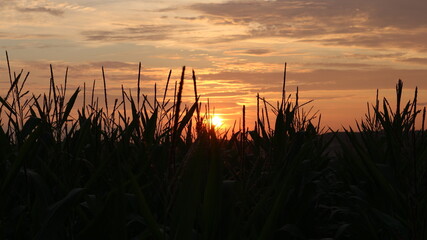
[
  {"x": 341, "y": 65},
  {"x": 51, "y": 11},
  {"x": 137, "y": 32},
  {"x": 378, "y": 23},
  {"x": 422, "y": 61},
  {"x": 251, "y": 51},
  {"x": 371, "y": 56},
  {"x": 9, "y": 35},
  {"x": 327, "y": 79},
  {"x": 53, "y": 8}
]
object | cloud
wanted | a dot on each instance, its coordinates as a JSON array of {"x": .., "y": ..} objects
[
  {"x": 114, "y": 65},
  {"x": 251, "y": 52},
  {"x": 371, "y": 23},
  {"x": 337, "y": 65},
  {"x": 376, "y": 56},
  {"x": 190, "y": 18},
  {"x": 114, "y": 70},
  {"x": 228, "y": 94},
  {"x": 422, "y": 61},
  {"x": 220, "y": 39},
  {"x": 41, "y": 6},
  {"x": 374, "y": 13},
  {"x": 416, "y": 39},
  {"x": 325, "y": 79},
  {"x": 51, "y": 11},
  {"x": 136, "y": 33},
  {"x": 15, "y": 36}
]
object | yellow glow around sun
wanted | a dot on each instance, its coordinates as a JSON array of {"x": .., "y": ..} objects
[{"x": 217, "y": 121}]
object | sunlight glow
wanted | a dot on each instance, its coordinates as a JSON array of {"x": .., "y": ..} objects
[{"x": 217, "y": 121}]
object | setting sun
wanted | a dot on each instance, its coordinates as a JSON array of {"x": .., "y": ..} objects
[{"x": 217, "y": 121}]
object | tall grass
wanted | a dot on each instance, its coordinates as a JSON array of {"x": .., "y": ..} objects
[{"x": 164, "y": 172}]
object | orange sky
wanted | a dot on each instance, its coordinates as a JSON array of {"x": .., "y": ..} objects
[{"x": 338, "y": 51}]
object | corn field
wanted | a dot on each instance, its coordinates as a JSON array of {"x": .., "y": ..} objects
[{"x": 159, "y": 170}]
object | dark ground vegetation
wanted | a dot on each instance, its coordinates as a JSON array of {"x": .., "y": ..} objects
[{"x": 159, "y": 170}]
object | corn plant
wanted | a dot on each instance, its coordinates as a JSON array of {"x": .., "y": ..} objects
[{"x": 384, "y": 169}]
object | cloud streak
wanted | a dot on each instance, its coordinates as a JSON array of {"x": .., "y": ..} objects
[
  {"x": 325, "y": 79},
  {"x": 376, "y": 23},
  {"x": 50, "y": 7},
  {"x": 51, "y": 11},
  {"x": 137, "y": 33},
  {"x": 422, "y": 61}
]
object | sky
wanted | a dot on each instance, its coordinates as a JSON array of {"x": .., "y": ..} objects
[{"x": 338, "y": 52}]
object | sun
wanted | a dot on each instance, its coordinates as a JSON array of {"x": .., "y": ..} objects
[{"x": 217, "y": 121}]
